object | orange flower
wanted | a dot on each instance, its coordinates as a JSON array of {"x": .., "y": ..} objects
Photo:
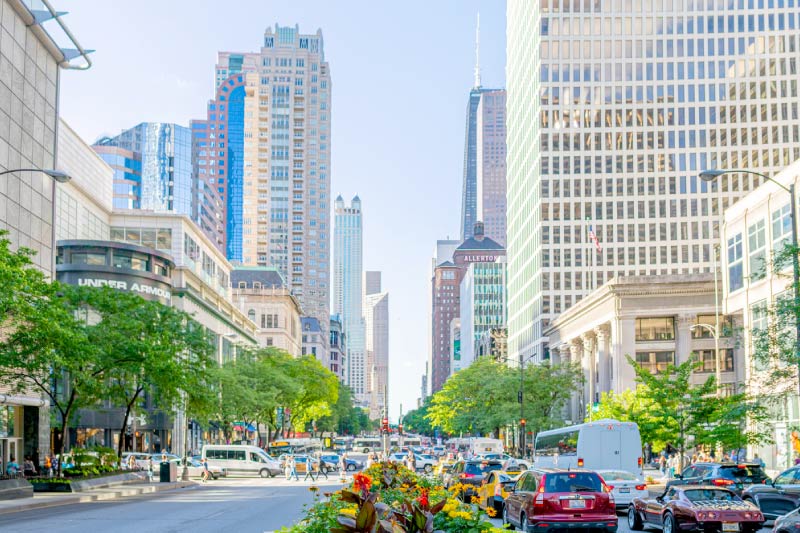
[
  {"x": 423, "y": 499},
  {"x": 362, "y": 482}
]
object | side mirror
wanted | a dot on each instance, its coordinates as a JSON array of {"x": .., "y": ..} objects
[
  {"x": 678, "y": 476},
  {"x": 659, "y": 499}
]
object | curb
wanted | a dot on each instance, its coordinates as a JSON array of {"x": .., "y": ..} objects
[{"x": 103, "y": 496}]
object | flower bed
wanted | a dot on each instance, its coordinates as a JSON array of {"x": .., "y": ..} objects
[{"x": 389, "y": 498}]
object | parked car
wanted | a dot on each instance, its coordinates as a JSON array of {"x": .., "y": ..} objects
[
  {"x": 788, "y": 523},
  {"x": 695, "y": 508},
  {"x": 545, "y": 500},
  {"x": 776, "y": 497},
  {"x": 494, "y": 490},
  {"x": 470, "y": 474},
  {"x": 733, "y": 476},
  {"x": 141, "y": 458},
  {"x": 424, "y": 464},
  {"x": 624, "y": 486},
  {"x": 332, "y": 463}
]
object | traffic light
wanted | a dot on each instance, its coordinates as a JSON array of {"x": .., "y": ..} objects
[
  {"x": 385, "y": 425},
  {"x": 400, "y": 429},
  {"x": 522, "y": 422}
]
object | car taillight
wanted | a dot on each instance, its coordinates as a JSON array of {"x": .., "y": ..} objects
[
  {"x": 498, "y": 489},
  {"x": 608, "y": 488},
  {"x": 580, "y": 461},
  {"x": 722, "y": 482},
  {"x": 466, "y": 475},
  {"x": 641, "y": 487}
]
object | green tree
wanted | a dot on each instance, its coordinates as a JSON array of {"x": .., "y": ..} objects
[
  {"x": 631, "y": 405},
  {"x": 23, "y": 284},
  {"x": 416, "y": 421}
]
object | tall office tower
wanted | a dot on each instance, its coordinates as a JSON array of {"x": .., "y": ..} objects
[
  {"x": 268, "y": 157},
  {"x": 152, "y": 165},
  {"x": 442, "y": 252},
  {"x": 614, "y": 108},
  {"x": 483, "y": 196},
  {"x": 348, "y": 271},
  {"x": 376, "y": 324}
]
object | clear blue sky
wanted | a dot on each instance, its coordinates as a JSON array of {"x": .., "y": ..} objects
[{"x": 401, "y": 73}]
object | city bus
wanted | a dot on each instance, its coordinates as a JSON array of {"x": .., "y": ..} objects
[
  {"x": 367, "y": 444},
  {"x": 600, "y": 445}
]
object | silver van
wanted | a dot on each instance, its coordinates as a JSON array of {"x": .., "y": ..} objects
[{"x": 241, "y": 460}]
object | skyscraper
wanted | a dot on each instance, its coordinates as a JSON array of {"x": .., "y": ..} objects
[
  {"x": 614, "y": 108},
  {"x": 152, "y": 165},
  {"x": 484, "y": 186},
  {"x": 376, "y": 323},
  {"x": 348, "y": 271},
  {"x": 264, "y": 148}
]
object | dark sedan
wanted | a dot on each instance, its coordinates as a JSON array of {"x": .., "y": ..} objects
[
  {"x": 706, "y": 509},
  {"x": 733, "y": 476}
]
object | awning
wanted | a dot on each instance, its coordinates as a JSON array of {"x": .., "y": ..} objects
[{"x": 239, "y": 426}]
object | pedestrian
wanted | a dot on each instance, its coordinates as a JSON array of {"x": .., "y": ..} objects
[
  {"x": 758, "y": 460},
  {"x": 293, "y": 468},
  {"x": 662, "y": 464},
  {"x": 206, "y": 471},
  {"x": 48, "y": 465},
  {"x": 150, "y": 469},
  {"x": 131, "y": 462},
  {"x": 12, "y": 468},
  {"x": 287, "y": 469},
  {"x": 648, "y": 453},
  {"x": 309, "y": 469},
  {"x": 370, "y": 460},
  {"x": 412, "y": 461},
  {"x": 734, "y": 455},
  {"x": 28, "y": 468}
]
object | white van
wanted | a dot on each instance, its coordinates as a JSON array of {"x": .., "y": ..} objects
[
  {"x": 241, "y": 460},
  {"x": 481, "y": 446},
  {"x": 600, "y": 445}
]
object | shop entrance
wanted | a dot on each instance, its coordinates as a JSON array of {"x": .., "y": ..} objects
[{"x": 10, "y": 448}]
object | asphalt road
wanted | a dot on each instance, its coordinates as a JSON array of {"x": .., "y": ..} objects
[{"x": 241, "y": 505}]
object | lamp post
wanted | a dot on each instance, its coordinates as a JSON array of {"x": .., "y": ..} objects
[
  {"x": 521, "y": 400},
  {"x": 713, "y": 174},
  {"x": 715, "y": 334}
]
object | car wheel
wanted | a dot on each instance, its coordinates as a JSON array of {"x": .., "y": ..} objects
[
  {"x": 523, "y": 524},
  {"x": 506, "y": 521},
  {"x": 669, "y": 523},
  {"x": 634, "y": 520},
  {"x": 264, "y": 473},
  {"x": 351, "y": 467},
  {"x": 366, "y": 450},
  {"x": 428, "y": 469}
]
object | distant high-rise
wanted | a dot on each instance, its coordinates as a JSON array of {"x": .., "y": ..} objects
[
  {"x": 614, "y": 108},
  {"x": 348, "y": 271},
  {"x": 483, "y": 195},
  {"x": 152, "y": 165},
  {"x": 264, "y": 148},
  {"x": 376, "y": 322}
]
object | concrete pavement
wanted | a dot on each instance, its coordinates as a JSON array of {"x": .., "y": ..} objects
[{"x": 235, "y": 504}]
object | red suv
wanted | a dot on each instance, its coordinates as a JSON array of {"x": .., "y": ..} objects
[{"x": 554, "y": 500}]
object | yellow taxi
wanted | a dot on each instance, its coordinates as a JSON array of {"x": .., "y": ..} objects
[
  {"x": 443, "y": 467},
  {"x": 515, "y": 468},
  {"x": 494, "y": 489}
]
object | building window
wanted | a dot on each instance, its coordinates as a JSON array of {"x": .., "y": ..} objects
[
  {"x": 708, "y": 359},
  {"x": 735, "y": 276},
  {"x": 725, "y": 326},
  {"x": 756, "y": 250},
  {"x": 758, "y": 316},
  {"x": 251, "y": 314},
  {"x": 269, "y": 341},
  {"x": 655, "y": 362},
  {"x": 655, "y": 329},
  {"x": 781, "y": 228}
]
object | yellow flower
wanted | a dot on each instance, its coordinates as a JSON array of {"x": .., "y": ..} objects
[
  {"x": 312, "y": 488},
  {"x": 491, "y": 512},
  {"x": 475, "y": 499},
  {"x": 349, "y": 512}
]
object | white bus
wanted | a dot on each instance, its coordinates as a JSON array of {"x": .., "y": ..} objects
[
  {"x": 482, "y": 446},
  {"x": 367, "y": 444},
  {"x": 600, "y": 445}
]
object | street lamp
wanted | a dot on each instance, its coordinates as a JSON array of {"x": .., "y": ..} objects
[
  {"x": 57, "y": 175},
  {"x": 711, "y": 175},
  {"x": 714, "y": 330}
]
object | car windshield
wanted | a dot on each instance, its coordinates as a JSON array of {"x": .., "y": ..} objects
[
  {"x": 618, "y": 475},
  {"x": 743, "y": 473},
  {"x": 699, "y": 495},
  {"x": 573, "y": 482}
]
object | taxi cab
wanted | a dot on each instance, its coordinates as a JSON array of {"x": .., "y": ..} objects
[{"x": 494, "y": 490}]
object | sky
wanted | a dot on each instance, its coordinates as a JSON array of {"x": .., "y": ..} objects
[{"x": 401, "y": 74}]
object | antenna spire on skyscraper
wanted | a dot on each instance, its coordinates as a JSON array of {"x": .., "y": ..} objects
[{"x": 478, "y": 52}]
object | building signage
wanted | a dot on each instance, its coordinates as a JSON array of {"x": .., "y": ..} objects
[
  {"x": 134, "y": 286},
  {"x": 480, "y": 258}
]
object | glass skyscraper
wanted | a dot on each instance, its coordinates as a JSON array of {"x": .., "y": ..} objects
[
  {"x": 152, "y": 165},
  {"x": 614, "y": 108},
  {"x": 348, "y": 274}
]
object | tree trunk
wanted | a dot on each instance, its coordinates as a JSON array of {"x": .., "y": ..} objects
[
  {"x": 128, "y": 409},
  {"x": 61, "y": 443}
]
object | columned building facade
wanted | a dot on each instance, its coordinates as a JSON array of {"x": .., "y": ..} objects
[{"x": 654, "y": 320}]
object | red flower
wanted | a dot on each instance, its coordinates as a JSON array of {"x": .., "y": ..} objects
[
  {"x": 423, "y": 499},
  {"x": 362, "y": 482}
]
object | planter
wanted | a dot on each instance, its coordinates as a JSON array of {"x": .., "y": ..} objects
[
  {"x": 50, "y": 486},
  {"x": 11, "y": 489}
]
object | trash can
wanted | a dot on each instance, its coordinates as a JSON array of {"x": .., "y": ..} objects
[{"x": 168, "y": 472}]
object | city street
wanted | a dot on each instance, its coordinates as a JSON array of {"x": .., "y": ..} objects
[{"x": 243, "y": 505}]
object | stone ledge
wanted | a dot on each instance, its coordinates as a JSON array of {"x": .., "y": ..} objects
[{"x": 11, "y": 489}]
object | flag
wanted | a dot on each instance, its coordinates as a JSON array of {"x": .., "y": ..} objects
[{"x": 594, "y": 239}]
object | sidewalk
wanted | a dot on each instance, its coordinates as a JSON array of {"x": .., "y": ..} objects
[{"x": 42, "y": 499}]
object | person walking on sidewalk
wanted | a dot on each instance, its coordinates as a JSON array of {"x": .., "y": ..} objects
[
  {"x": 150, "y": 469},
  {"x": 293, "y": 469},
  {"x": 206, "y": 471},
  {"x": 310, "y": 469}
]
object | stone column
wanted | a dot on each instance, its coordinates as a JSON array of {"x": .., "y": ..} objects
[
  {"x": 683, "y": 337},
  {"x": 555, "y": 355},
  {"x": 575, "y": 350},
  {"x": 603, "y": 367},
  {"x": 589, "y": 368},
  {"x": 623, "y": 338}
]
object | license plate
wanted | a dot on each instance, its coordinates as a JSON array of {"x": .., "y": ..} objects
[
  {"x": 730, "y": 526},
  {"x": 577, "y": 504},
  {"x": 624, "y": 491}
]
